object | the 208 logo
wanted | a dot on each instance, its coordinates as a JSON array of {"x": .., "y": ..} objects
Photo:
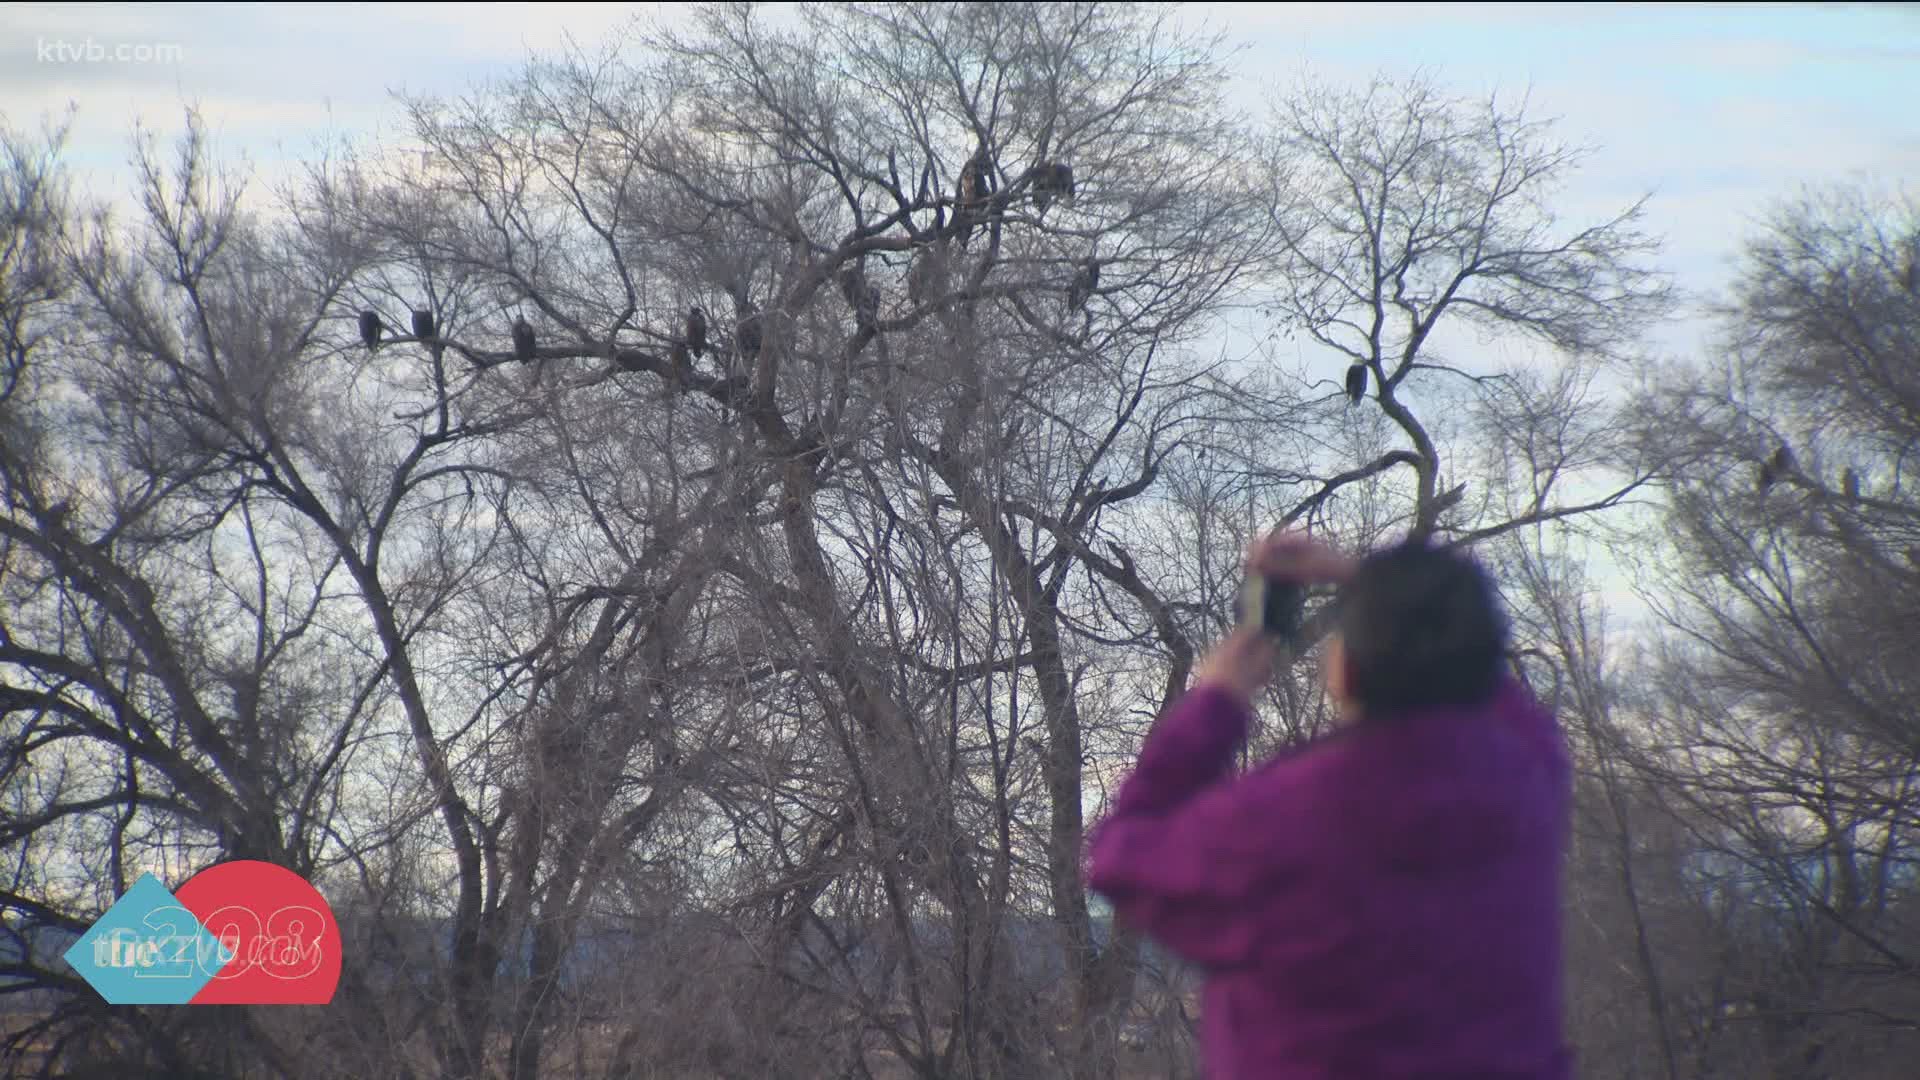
[{"x": 237, "y": 933}]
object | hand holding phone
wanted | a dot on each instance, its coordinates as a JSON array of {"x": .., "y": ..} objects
[
  {"x": 1271, "y": 606},
  {"x": 1279, "y": 567}
]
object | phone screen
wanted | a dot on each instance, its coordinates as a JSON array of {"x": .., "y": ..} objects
[{"x": 1272, "y": 607}]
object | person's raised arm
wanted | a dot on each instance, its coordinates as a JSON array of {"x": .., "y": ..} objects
[{"x": 1182, "y": 847}]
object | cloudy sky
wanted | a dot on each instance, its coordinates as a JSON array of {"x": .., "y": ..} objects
[{"x": 1715, "y": 109}]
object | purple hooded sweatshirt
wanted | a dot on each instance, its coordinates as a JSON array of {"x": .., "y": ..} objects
[{"x": 1382, "y": 903}]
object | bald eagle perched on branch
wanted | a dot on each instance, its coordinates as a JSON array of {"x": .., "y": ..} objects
[
  {"x": 976, "y": 177},
  {"x": 1050, "y": 179},
  {"x": 1356, "y": 383},
  {"x": 862, "y": 296},
  {"x": 1775, "y": 467},
  {"x": 522, "y": 341},
  {"x": 697, "y": 331},
  {"x": 748, "y": 335},
  {"x": 976, "y": 187},
  {"x": 370, "y": 330},
  {"x": 1084, "y": 282},
  {"x": 425, "y": 330}
]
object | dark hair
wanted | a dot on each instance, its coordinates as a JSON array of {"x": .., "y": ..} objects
[{"x": 1421, "y": 627}]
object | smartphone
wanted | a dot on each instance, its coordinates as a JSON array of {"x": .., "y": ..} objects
[{"x": 1272, "y": 607}]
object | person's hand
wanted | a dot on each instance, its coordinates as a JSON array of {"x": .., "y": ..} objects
[
  {"x": 1292, "y": 555},
  {"x": 1242, "y": 663}
]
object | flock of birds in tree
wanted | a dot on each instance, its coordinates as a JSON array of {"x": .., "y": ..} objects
[
  {"x": 1781, "y": 465},
  {"x": 1046, "y": 182},
  {"x": 425, "y": 331},
  {"x": 693, "y": 340}
]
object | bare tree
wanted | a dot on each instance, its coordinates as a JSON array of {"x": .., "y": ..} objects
[
  {"x": 1406, "y": 214},
  {"x": 172, "y": 645},
  {"x": 1783, "y": 721},
  {"x": 1629, "y": 910}
]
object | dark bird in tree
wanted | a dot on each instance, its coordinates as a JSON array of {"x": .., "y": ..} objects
[
  {"x": 1850, "y": 483},
  {"x": 1356, "y": 383},
  {"x": 748, "y": 335},
  {"x": 862, "y": 296},
  {"x": 370, "y": 330},
  {"x": 697, "y": 331},
  {"x": 1775, "y": 467},
  {"x": 522, "y": 341},
  {"x": 976, "y": 187},
  {"x": 632, "y": 359},
  {"x": 679, "y": 369},
  {"x": 976, "y": 177},
  {"x": 1050, "y": 179},
  {"x": 921, "y": 277},
  {"x": 1084, "y": 283},
  {"x": 1910, "y": 277},
  {"x": 425, "y": 330},
  {"x": 1040, "y": 177}
]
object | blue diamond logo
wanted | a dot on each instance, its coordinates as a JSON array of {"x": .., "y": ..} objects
[{"x": 147, "y": 950}]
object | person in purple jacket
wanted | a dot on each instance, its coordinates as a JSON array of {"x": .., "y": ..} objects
[{"x": 1383, "y": 902}]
